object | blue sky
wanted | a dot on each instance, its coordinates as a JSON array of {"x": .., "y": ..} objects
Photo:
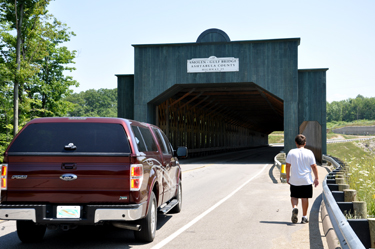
[{"x": 338, "y": 35}]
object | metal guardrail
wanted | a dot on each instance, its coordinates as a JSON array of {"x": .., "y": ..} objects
[{"x": 344, "y": 232}]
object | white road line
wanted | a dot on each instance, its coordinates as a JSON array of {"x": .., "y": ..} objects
[{"x": 184, "y": 228}]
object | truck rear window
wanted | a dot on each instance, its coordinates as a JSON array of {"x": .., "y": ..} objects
[{"x": 72, "y": 137}]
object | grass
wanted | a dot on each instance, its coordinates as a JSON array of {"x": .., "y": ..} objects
[
  {"x": 361, "y": 171},
  {"x": 340, "y": 124},
  {"x": 345, "y": 151},
  {"x": 276, "y": 137},
  {"x": 361, "y": 175}
]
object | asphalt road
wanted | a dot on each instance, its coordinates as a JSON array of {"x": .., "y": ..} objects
[{"x": 232, "y": 200}]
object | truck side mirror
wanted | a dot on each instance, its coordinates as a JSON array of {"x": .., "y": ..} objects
[{"x": 181, "y": 152}]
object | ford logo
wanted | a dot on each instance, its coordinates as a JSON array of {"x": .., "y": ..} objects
[{"x": 68, "y": 177}]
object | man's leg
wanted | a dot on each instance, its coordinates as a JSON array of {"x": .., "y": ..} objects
[
  {"x": 305, "y": 206},
  {"x": 294, "y": 202},
  {"x": 295, "y": 209}
]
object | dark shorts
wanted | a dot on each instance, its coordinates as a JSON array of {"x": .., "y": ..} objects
[{"x": 304, "y": 191}]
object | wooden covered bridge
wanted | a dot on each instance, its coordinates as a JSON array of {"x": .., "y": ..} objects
[{"x": 217, "y": 95}]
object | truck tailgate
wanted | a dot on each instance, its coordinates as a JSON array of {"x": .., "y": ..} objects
[{"x": 79, "y": 180}]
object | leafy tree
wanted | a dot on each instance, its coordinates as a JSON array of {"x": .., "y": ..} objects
[
  {"x": 22, "y": 49},
  {"x": 92, "y": 103},
  {"x": 49, "y": 86},
  {"x": 351, "y": 109},
  {"x": 32, "y": 65}
]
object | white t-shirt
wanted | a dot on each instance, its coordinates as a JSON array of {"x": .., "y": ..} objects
[{"x": 301, "y": 160}]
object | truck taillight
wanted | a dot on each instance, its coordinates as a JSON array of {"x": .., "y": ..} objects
[
  {"x": 3, "y": 177},
  {"x": 136, "y": 176}
]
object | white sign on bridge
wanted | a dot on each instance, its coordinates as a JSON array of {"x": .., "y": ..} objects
[{"x": 213, "y": 65}]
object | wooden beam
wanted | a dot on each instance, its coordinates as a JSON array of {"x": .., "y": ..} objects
[
  {"x": 205, "y": 105},
  {"x": 191, "y": 100},
  {"x": 200, "y": 102},
  {"x": 269, "y": 103},
  {"x": 184, "y": 96}
]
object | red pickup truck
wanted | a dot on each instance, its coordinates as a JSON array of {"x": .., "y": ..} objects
[{"x": 67, "y": 172}]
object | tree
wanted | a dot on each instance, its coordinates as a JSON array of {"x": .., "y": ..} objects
[
  {"x": 351, "y": 109},
  {"x": 49, "y": 86},
  {"x": 23, "y": 49},
  {"x": 32, "y": 65},
  {"x": 94, "y": 103}
]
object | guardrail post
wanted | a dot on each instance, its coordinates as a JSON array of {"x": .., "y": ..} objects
[
  {"x": 339, "y": 174},
  {"x": 340, "y": 181},
  {"x": 342, "y": 187},
  {"x": 371, "y": 223},
  {"x": 350, "y": 195},
  {"x": 360, "y": 209},
  {"x": 280, "y": 163},
  {"x": 283, "y": 172}
]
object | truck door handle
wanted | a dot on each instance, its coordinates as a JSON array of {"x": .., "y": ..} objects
[{"x": 68, "y": 166}]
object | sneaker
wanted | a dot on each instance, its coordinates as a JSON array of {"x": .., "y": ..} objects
[
  {"x": 304, "y": 220},
  {"x": 295, "y": 215}
]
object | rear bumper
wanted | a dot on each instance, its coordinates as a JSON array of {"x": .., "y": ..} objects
[{"x": 90, "y": 214}]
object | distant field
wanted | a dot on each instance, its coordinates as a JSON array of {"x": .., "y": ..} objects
[
  {"x": 341, "y": 124},
  {"x": 278, "y": 137}
]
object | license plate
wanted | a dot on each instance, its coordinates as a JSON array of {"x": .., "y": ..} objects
[{"x": 68, "y": 212}]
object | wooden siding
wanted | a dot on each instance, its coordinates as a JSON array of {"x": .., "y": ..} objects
[
  {"x": 268, "y": 83},
  {"x": 125, "y": 94},
  {"x": 270, "y": 64},
  {"x": 312, "y": 100}
]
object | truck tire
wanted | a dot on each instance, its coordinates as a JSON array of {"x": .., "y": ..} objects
[
  {"x": 149, "y": 223},
  {"x": 28, "y": 231},
  {"x": 178, "y": 196}
]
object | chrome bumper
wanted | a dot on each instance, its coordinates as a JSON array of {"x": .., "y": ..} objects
[
  {"x": 93, "y": 213},
  {"x": 18, "y": 214},
  {"x": 126, "y": 214}
]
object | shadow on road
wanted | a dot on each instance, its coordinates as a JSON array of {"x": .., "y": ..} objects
[
  {"x": 259, "y": 155},
  {"x": 280, "y": 223},
  {"x": 82, "y": 237},
  {"x": 105, "y": 236},
  {"x": 270, "y": 173}
]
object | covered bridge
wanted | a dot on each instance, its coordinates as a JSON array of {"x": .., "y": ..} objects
[{"x": 217, "y": 95}]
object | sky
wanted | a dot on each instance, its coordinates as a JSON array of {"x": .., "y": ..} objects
[{"x": 335, "y": 34}]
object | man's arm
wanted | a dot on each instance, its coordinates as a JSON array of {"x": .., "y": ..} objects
[
  {"x": 287, "y": 169},
  {"x": 315, "y": 171}
]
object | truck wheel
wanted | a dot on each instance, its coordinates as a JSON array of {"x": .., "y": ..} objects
[
  {"x": 149, "y": 223},
  {"x": 178, "y": 196},
  {"x": 28, "y": 231}
]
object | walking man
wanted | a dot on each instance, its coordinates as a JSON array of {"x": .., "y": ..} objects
[{"x": 299, "y": 164}]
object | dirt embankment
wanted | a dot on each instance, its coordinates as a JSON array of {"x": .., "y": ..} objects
[{"x": 367, "y": 145}]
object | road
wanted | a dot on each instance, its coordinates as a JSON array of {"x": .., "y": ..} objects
[{"x": 232, "y": 200}]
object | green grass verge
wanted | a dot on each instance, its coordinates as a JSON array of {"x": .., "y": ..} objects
[
  {"x": 340, "y": 124},
  {"x": 361, "y": 171},
  {"x": 345, "y": 151}
]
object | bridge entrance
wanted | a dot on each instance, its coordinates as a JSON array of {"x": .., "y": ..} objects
[
  {"x": 216, "y": 94},
  {"x": 209, "y": 119}
]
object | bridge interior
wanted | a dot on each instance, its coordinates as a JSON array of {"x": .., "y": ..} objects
[{"x": 220, "y": 117}]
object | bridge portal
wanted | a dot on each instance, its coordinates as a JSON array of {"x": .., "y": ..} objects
[{"x": 218, "y": 95}]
